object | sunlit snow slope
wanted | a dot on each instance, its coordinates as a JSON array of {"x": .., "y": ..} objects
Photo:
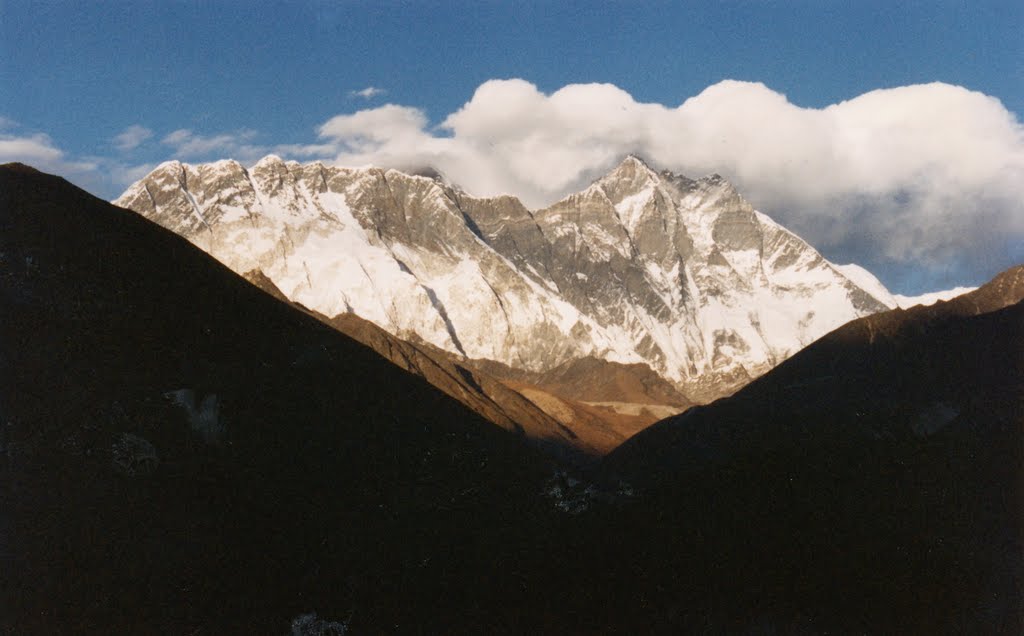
[{"x": 682, "y": 275}]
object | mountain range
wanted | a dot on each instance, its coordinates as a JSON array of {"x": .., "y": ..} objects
[
  {"x": 641, "y": 268},
  {"x": 187, "y": 450}
]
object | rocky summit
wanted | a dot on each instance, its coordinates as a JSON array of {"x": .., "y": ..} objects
[{"x": 642, "y": 267}]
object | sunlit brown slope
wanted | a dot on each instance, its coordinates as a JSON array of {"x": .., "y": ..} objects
[{"x": 578, "y": 412}]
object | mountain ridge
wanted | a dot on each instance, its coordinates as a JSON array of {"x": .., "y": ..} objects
[
  {"x": 681, "y": 275},
  {"x": 869, "y": 380}
]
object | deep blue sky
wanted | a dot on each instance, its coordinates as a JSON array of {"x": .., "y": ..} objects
[{"x": 81, "y": 72}]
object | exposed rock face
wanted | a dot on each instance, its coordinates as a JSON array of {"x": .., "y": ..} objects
[{"x": 642, "y": 267}]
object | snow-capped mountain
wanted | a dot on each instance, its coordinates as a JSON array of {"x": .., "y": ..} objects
[
  {"x": 931, "y": 298},
  {"x": 643, "y": 266},
  {"x": 868, "y": 282}
]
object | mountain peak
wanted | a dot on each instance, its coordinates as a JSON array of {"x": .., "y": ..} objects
[
  {"x": 632, "y": 164},
  {"x": 18, "y": 167},
  {"x": 646, "y": 267},
  {"x": 269, "y": 160},
  {"x": 631, "y": 175},
  {"x": 172, "y": 165},
  {"x": 633, "y": 158}
]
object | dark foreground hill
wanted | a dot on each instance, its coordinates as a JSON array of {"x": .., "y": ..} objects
[
  {"x": 874, "y": 480},
  {"x": 182, "y": 453}
]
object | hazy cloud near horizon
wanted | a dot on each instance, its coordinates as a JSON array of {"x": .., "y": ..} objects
[{"x": 928, "y": 173}]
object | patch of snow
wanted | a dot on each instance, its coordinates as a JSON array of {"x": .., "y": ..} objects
[
  {"x": 631, "y": 208},
  {"x": 866, "y": 280},
  {"x": 905, "y": 302}
]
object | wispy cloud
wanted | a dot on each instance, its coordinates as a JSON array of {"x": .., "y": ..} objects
[
  {"x": 123, "y": 175},
  {"x": 188, "y": 144},
  {"x": 241, "y": 145},
  {"x": 368, "y": 93},
  {"x": 39, "y": 150},
  {"x": 131, "y": 137},
  {"x": 315, "y": 151}
]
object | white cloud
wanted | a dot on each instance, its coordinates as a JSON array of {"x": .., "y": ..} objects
[
  {"x": 923, "y": 173},
  {"x": 39, "y": 151},
  {"x": 131, "y": 137},
  {"x": 368, "y": 93},
  {"x": 378, "y": 126},
  {"x": 187, "y": 144},
  {"x": 303, "y": 150},
  {"x": 918, "y": 177},
  {"x": 33, "y": 149}
]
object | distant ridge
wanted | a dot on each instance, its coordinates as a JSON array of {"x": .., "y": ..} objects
[{"x": 682, "y": 276}]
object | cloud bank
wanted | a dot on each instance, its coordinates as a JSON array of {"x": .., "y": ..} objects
[
  {"x": 930, "y": 174},
  {"x": 923, "y": 184}
]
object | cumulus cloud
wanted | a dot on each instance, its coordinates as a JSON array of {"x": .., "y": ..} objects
[
  {"x": 394, "y": 136},
  {"x": 368, "y": 93},
  {"x": 916, "y": 178},
  {"x": 927, "y": 173},
  {"x": 131, "y": 137}
]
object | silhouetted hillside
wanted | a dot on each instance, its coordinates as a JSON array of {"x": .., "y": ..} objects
[
  {"x": 182, "y": 453},
  {"x": 870, "y": 483}
]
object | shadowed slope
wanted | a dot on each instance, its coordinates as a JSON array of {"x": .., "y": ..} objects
[
  {"x": 871, "y": 483},
  {"x": 182, "y": 453},
  {"x": 877, "y": 376},
  {"x": 578, "y": 412},
  {"x": 479, "y": 391}
]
